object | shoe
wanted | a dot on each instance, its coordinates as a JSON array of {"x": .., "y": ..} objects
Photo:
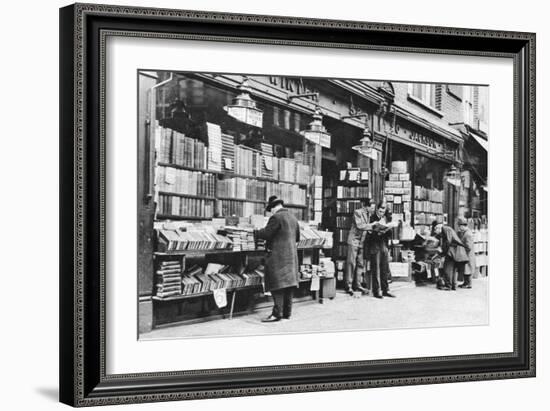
[
  {"x": 349, "y": 291},
  {"x": 377, "y": 296},
  {"x": 453, "y": 288},
  {"x": 271, "y": 319},
  {"x": 286, "y": 318},
  {"x": 364, "y": 291},
  {"x": 463, "y": 285},
  {"x": 444, "y": 288},
  {"x": 467, "y": 286},
  {"x": 388, "y": 294}
]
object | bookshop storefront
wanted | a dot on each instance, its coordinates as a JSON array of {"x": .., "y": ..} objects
[
  {"x": 426, "y": 159},
  {"x": 221, "y": 146}
]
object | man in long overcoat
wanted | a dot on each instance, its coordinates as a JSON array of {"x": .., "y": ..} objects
[
  {"x": 467, "y": 238},
  {"x": 281, "y": 233}
]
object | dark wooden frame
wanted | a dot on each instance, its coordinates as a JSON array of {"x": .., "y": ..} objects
[{"x": 83, "y": 29}]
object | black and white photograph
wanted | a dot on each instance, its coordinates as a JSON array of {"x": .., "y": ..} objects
[{"x": 272, "y": 204}]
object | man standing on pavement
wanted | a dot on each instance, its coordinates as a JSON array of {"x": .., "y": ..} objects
[
  {"x": 454, "y": 252},
  {"x": 355, "y": 261},
  {"x": 281, "y": 233},
  {"x": 467, "y": 238},
  {"x": 376, "y": 247}
]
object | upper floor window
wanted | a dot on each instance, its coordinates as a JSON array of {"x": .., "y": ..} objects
[
  {"x": 468, "y": 104},
  {"x": 426, "y": 94}
]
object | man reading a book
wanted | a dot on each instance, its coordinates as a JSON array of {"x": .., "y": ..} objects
[
  {"x": 376, "y": 249},
  {"x": 281, "y": 233},
  {"x": 355, "y": 261}
]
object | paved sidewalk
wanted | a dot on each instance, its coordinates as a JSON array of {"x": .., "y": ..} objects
[{"x": 414, "y": 307}]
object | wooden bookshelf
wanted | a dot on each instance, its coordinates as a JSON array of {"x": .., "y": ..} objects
[
  {"x": 230, "y": 174},
  {"x": 199, "y": 197},
  {"x": 180, "y": 217},
  {"x": 220, "y": 251}
]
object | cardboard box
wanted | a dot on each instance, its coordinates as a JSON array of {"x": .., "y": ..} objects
[
  {"x": 406, "y": 197},
  {"x": 401, "y": 271},
  {"x": 399, "y": 167},
  {"x": 404, "y": 177},
  {"x": 406, "y": 184},
  {"x": 394, "y": 184},
  {"x": 394, "y": 177},
  {"x": 397, "y": 199}
]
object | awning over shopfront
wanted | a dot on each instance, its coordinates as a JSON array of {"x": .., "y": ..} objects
[{"x": 482, "y": 142}]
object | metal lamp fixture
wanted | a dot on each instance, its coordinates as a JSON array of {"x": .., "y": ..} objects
[
  {"x": 243, "y": 108},
  {"x": 367, "y": 145},
  {"x": 315, "y": 131},
  {"x": 453, "y": 176}
]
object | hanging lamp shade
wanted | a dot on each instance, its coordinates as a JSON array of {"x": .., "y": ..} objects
[
  {"x": 366, "y": 147},
  {"x": 316, "y": 132},
  {"x": 453, "y": 176},
  {"x": 243, "y": 108}
]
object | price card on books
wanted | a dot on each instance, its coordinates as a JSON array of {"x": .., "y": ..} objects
[
  {"x": 220, "y": 297},
  {"x": 315, "y": 283}
]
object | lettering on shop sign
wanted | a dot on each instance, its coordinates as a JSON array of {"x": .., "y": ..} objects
[
  {"x": 295, "y": 86},
  {"x": 423, "y": 140}
]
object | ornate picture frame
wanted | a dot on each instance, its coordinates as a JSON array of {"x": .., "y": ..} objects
[{"x": 84, "y": 29}]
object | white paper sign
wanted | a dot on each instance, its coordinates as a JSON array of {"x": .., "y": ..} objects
[{"x": 220, "y": 297}]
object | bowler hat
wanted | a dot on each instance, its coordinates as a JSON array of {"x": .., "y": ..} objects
[{"x": 273, "y": 202}]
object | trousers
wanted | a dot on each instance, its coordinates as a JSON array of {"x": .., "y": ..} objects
[
  {"x": 379, "y": 268},
  {"x": 282, "y": 302},
  {"x": 355, "y": 266},
  {"x": 451, "y": 268}
]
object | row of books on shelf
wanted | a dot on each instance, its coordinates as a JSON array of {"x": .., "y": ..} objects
[
  {"x": 178, "y": 240},
  {"x": 185, "y": 207},
  {"x": 310, "y": 237},
  {"x": 244, "y": 188},
  {"x": 240, "y": 208},
  {"x": 343, "y": 222},
  {"x": 178, "y": 181},
  {"x": 259, "y": 164},
  {"x": 195, "y": 280},
  {"x": 398, "y": 208},
  {"x": 289, "y": 193},
  {"x": 422, "y": 193},
  {"x": 427, "y": 218},
  {"x": 347, "y": 206},
  {"x": 179, "y": 236},
  {"x": 353, "y": 192},
  {"x": 217, "y": 276},
  {"x": 428, "y": 207},
  {"x": 354, "y": 174},
  {"x": 341, "y": 235},
  {"x": 175, "y": 148}
]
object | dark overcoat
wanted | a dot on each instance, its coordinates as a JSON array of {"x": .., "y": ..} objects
[
  {"x": 467, "y": 237},
  {"x": 281, "y": 233}
]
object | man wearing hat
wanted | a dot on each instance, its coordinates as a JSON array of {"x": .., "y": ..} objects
[
  {"x": 281, "y": 233},
  {"x": 467, "y": 238},
  {"x": 355, "y": 261},
  {"x": 454, "y": 252}
]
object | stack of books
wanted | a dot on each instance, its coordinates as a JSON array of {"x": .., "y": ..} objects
[
  {"x": 309, "y": 237},
  {"x": 267, "y": 160},
  {"x": 214, "y": 133},
  {"x": 242, "y": 238},
  {"x": 190, "y": 283},
  {"x": 168, "y": 279},
  {"x": 228, "y": 152}
]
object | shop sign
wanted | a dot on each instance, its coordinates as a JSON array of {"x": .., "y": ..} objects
[
  {"x": 313, "y": 137},
  {"x": 325, "y": 140},
  {"x": 246, "y": 115},
  {"x": 430, "y": 143},
  {"x": 292, "y": 85}
]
